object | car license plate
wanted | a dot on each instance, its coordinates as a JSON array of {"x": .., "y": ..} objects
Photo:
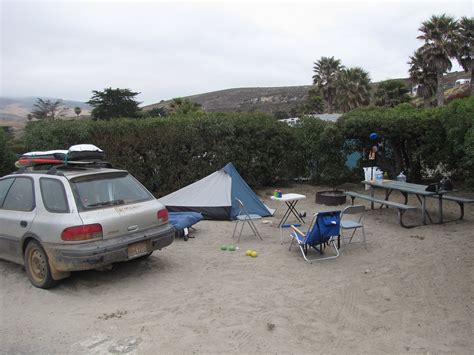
[{"x": 138, "y": 249}]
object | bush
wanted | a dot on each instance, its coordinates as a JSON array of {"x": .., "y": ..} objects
[
  {"x": 166, "y": 154},
  {"x": 322, "y": 156},
  {"x": 3, "y": 152},
  {"x": 410, "y": 137},
  {"x": 469, "y": 158},
  {"x": 7, "y": 157},
  {"x": 457, "y": 119},
  {"x": 419, "y": 141}
]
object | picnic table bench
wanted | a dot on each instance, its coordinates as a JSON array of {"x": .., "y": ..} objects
[
  {"x": 421, "y": 192},
  {"x": 401, "y": 208},
  {"x": 460, "y": 201}
]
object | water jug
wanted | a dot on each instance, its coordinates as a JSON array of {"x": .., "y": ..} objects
[
  {"x": 401, "y": 177},
  {"x": 379, "y": 177}
]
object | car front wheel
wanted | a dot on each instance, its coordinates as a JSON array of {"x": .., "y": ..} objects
[{"x": 37, "y": 266}]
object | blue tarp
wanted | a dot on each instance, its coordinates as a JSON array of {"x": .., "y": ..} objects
[{"x": 181, "y": 220}]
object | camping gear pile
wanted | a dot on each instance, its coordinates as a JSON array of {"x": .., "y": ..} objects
[{"x": 76, "y": 154}]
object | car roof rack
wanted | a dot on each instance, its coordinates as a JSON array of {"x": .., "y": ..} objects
[
  {"x": 82, "y": 166},
  {"x": 54, "y": 169},
  {"x": 21, "y": 170}
]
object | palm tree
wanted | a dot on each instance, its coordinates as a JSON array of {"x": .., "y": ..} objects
[
  {"x": 183, "y": 106},
  {"x": 439, "y": 34},
  {"x": 423, "y": 75},
  {"x": 325, "y": 77},
  {"x": 465, "y": 46},
  {"x": 390, "y": 93},
  {"x": 353, "y": 88}
]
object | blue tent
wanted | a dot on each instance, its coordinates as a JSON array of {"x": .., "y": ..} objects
[{"x": 214, "y": 196}]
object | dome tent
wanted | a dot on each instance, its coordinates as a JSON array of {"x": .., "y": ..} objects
[{"x": 214, "y": 196}]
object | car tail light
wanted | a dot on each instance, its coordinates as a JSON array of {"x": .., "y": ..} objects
[
  {"x": 162, "y": 215},
  {"x": 77, "y": 233}
]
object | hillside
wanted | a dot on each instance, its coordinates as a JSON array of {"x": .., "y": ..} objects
[
  {"x": 269, "y": 99},
  {"x": 14, "y": 110},
  {"x": 262, "y": 99}
]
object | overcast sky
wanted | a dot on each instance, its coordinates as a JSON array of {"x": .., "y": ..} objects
[{"x": 66, "y": 49}]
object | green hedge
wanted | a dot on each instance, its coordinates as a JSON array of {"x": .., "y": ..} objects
[
  {"x": 321, "y": 156},
  {"x": 421, "y": 142},
  {"x": 457, "y": 119},
  {"x": 411, "y": 137},
  {"x": 7, "y": 157},
  {"x": 168, "y": 153},
  {"x": 3, "y": 153}
]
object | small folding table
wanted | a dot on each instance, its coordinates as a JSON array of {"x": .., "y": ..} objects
[{"x": 290, "y": 200}]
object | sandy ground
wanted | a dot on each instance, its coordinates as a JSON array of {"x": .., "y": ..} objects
[{"x": 410, "y": 291}]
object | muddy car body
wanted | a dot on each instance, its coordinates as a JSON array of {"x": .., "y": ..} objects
[{"x": 70, "y": 219}]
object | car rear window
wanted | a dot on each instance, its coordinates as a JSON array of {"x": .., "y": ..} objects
[
  {"x": 99, "y": 191},
  {"x": 54, "y": 196}
]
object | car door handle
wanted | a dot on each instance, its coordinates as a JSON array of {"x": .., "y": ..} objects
[
  {"x": 132, "y": 228},
  {"x": 23, "y": 223}
]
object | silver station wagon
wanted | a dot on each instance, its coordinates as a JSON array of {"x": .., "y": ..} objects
[{"x": 77, "y": 218}]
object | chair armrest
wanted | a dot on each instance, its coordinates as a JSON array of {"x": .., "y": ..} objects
[{"x": 297, "y": 230}]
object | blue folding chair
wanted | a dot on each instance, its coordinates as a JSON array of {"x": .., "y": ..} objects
[{"x": 324, "y": 230}]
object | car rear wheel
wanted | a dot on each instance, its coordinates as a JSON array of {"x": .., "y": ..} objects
[{"x": 37, "y": 266}]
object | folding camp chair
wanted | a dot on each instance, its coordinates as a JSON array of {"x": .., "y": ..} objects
[
  {"x": 286, "y": 226},
  {"x": 347, "y": 224},
  {"x": 323, "y": 230},
  {"x": 245, "y": 217}
]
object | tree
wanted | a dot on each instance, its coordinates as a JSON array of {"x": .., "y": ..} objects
[
  {"x": 156, "y": 112},
  {"x": 77, "y": 111},
  {"x": 352, "y": 88},
  {"x": 321, "y": 149},
  {"x": 411, "y": 137},
  {"x": 465, "y": 47},
  {"x": 391, "y": 93},
  {"x": 295, "y": 111},
  {"x": 313, "y": 102},
  {"x": 3, "y": 152},
  {"x": 183, "y": 106},
  {"x": 114, "y": 103},
  {"x": 7, "y": 157},
  {"x": 458, "y": 121},
  {"x": 281, "y": 115},
  {"x": 326, "y": 70},
  {"x": 45, "y": 109},
  {"x": 423, "y": 74},
  {"x": 439, "y": 34}
]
